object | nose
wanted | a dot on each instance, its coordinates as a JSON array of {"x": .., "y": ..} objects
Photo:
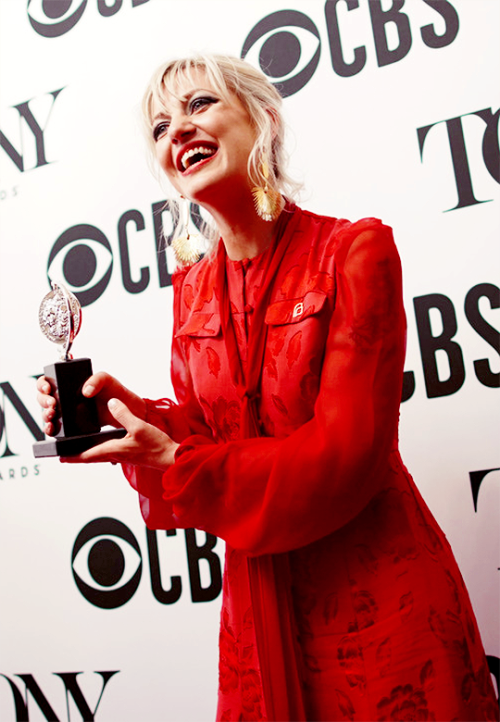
[{"x": 180, "y": 129}]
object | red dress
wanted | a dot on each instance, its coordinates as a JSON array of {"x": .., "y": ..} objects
[{"x": 341, "y": 596}]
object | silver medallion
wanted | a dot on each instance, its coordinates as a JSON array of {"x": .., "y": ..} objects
[{"x": 60, "y": 318}]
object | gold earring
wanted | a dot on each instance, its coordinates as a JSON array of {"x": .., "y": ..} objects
[
  {"x": 185, "y": 245},
  {"x": 267, "y": 200}
]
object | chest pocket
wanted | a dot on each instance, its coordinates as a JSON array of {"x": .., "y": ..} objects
[
  {"x": 202, "y": 339},
  {"x": 295, "y": 310},
  {"x": 203, "y": 345},
  {"x": 297, "y": 333},
  {"x": 201, "y": 325}
]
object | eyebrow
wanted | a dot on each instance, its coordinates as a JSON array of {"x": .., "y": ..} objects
[
  {"x": 183, "y": 99},
  {"x": 189, "y": 94},
  {"x": 158, "y": 116}
]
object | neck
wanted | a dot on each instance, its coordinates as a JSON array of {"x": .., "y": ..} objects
[{"x": 244, "y": 233}]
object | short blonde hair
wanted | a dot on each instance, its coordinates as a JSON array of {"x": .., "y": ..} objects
[{"x": 258, "y": 96}]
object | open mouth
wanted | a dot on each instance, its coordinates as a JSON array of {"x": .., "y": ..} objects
[{"x": 196, "y": 155}]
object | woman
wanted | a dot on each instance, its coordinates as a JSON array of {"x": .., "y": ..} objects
[{"x": 342, "y": 599}]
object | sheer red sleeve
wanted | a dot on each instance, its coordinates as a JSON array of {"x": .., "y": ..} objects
[
  {"x": 178, "y": 420},
  {"x": 268, "y": 495}
]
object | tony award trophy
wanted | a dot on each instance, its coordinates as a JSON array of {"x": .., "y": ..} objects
[{"x": 60, "y": 318}]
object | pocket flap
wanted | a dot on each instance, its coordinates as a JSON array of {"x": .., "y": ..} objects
[
  {"x": 294, "y": 310},
  {"x": 201, "y": 325}
]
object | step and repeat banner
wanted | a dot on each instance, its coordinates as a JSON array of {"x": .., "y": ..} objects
[{"x": 393, "y": 111}]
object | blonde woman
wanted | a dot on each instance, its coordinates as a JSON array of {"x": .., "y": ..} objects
[{"x": 341, "y": 597}]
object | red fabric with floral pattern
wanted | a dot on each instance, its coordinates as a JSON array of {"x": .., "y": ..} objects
[{"x": 384, "y": 622}]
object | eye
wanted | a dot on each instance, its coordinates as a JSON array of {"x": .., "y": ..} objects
[
  {"x": 286, "y": 46},
  {"x": 160, "y": 129},
  {"x": 52, "y": 18},
  {"x": 201, "y": 102},
  {"x": 82, "y": 259},
  {"x": 106, "y": 563}
]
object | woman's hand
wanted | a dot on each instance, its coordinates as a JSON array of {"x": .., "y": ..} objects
[
  {"x": 144, "y": 444},
  {"x": 48, "y": 404},
  {"x": 100, "y": 386}
]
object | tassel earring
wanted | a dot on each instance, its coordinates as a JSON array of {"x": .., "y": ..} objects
[
  {"x": 267, "y": 200},
  {"x": 185, "y": 245}
]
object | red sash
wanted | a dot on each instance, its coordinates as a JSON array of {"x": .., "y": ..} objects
[{"x": 269, "y": 575}]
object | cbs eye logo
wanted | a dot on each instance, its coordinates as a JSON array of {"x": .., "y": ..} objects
[
  {"x": 281, "y": 44},
  {"x": 82, "y": 257},
  {"x": 106, "y": 563},
  {"x": 52, "y": 18}
]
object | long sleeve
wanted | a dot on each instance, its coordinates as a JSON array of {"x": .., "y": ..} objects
[
  {"x": 179, "y": 421},
  {"x": 269, "y": 495}
]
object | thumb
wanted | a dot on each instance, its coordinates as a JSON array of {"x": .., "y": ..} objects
[{"x": 121, "y": 413}]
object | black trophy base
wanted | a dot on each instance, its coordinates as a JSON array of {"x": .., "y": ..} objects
[
  {"x": 73, "y": 445},
  {"x": 78, "y": 420}
]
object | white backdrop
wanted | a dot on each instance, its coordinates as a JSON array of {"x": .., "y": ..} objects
[{"x": 393, "y": 110}]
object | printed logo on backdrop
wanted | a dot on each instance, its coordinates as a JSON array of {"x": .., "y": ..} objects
[
  {"x": 53, "y": 18},
  {"x": 107, "y": 565},
  {"x": 286, "y": 44},
  {"x": 28, "y": 150},
  {"x": 71, "y": 688},
  {"x": 442, "y": 355},
  {"x": 488, "y": 152},
  {"x": 83, "y": 257},
  {"x": 478, "y": 480},
  {"x": 18, "y": 430}
]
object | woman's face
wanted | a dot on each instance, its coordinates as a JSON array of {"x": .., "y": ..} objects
[{"x": 204, "y": 141}]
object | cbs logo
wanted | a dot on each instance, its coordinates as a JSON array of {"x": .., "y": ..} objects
[
  {"x": 52, "y": 18},
  {"x": 82, "y": 256},
  {"x": 287, "y": 44},
  {"x": 279, "y": 43},
  {"x": 107, "y": 564}
]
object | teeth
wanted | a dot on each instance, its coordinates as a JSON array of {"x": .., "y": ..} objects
[{"x": 200, "y": 150}]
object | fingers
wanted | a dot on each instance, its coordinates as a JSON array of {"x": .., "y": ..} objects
[
  {"x": 43, "y": 386},
  {"x": 143, "y": 444},
  {"x": 44, "y": 397},
  {"x": 122, "y": 414},
  {"x": 100, "y": 385},
  {"x": 96, "y": 383},
  {"x": 46, "y": 402},
  {"x": 49, "y": 429},
  {"x": 114, "y": 450},
  {"x": 103, "y": 387}
]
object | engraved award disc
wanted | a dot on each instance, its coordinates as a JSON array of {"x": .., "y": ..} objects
[
  {"x": 78, "y": 428},
  {"x": 60, "y": 318}
]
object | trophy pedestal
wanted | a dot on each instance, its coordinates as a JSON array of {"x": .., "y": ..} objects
[
  {"x": 73, "y": 445},
  {"x": 78, "y": 420}
]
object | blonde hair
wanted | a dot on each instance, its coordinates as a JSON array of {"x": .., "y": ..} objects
[{"x": 256, "y": 93}]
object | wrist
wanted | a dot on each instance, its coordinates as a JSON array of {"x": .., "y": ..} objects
[{"x": 171, "y": 454}]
